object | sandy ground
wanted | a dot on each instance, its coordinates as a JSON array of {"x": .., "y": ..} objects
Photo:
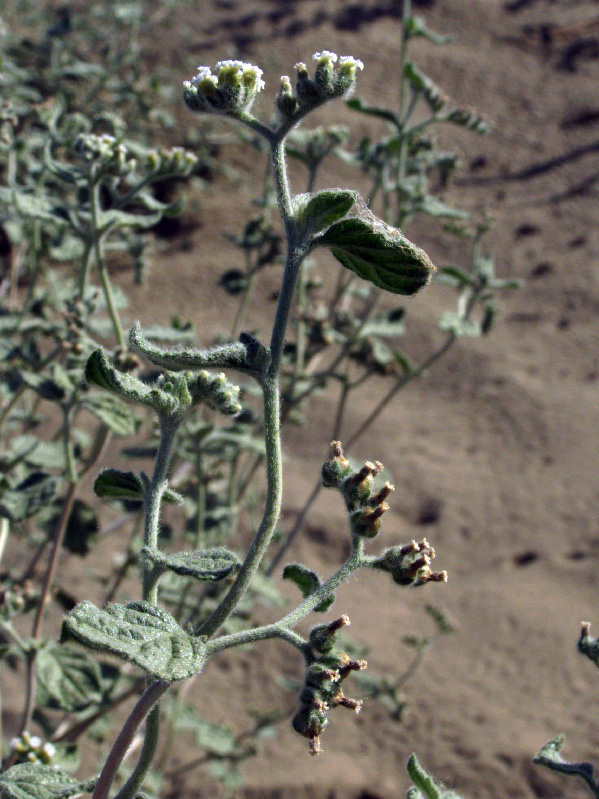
[{"x": 502, "y": 436}]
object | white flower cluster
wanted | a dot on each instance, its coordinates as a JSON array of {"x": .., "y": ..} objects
[
  {"x": 334, "y": 76},
  {"x": 231, "y": 89},
  {"x": 32, "y": 749}
]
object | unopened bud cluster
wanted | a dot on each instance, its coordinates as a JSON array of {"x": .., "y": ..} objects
[
  {"x": 322, "y": 691},
  {"x": 333, "y": 77},
  {"x": 216, "y": 391},
  {"x": 172, "y": 395},
  {"x": 365, "y": 508},
  {"x": 172, "y": 161},
  {"x": 230, "y": 90},
  {"x": 17, "y": 599},
  {"x": 107, "y": 152},
  {"x": 410, "y": 564},
  {"x": 111, "y": 155},
  {"x": 31, "y": 749}
]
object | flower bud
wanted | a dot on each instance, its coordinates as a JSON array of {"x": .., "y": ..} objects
[
  {"x": 285, "y": 100},
  {"x": 231, "y": 90}
]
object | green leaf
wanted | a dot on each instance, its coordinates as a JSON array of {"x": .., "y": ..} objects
[
  {"x": 67, "y": 678},
  {"x": 454, "y": 323},
  {"x": 37, "y": 781},
  {"x": 82, "y": 529},
  {"x": 123, "y": 219},
  {"x": 466, "y": 118},
  {"x": 315, "y": 212},
  {"x": 356, "y": 104},
  {"x": 416, "y": 26},
  {"x": 422, "y": 84},
  {"x": 457, "y": 275},
  {"x": 114, "y": 484},
  {"x": 426, "y": 787},
  {"x": 139, "y": 633},
  {"x": 99, "y": 371},
  {"x": 41, "y": 207},
  {"x": 203, "y": 564},
  {"x": 308, "y": 582},
  {"x": 211, "y": 738},
  {"x": 112, "y": 411},
  {"x": 29, "y": 497},
  {"x": 380, "y": 254}
]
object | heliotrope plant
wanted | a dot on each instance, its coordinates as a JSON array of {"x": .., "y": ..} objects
[{"x": 143, "y": 633}]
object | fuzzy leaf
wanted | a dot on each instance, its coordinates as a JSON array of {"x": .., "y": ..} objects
[
  {"x": 426, "y": 787},
  {"x": 67, "y": 678},
  {"x": 416, "y": 26},
  {"x": 457, "y": 274},
  {"x": 139, "y": 633},
  {"x": 356, "y": 104},
  {"x": 99, "y": 371},
  {"x": 203, "y": 564},
  {"x": 424, "y": 85},
  {"x": 308, "y": 582},
  {"x": 458, "y": 325},
  {"x": 380, "y": 254},
  {"x": 112, "y": 411},
  {"x": 36, "y": 781},
  {"x": 114, "y": 484},
  {"x": 315, "y": 212},
  {"x": 29, "y": 497}
]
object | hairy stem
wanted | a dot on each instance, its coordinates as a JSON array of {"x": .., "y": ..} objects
[{"x": 143, "y": 706}]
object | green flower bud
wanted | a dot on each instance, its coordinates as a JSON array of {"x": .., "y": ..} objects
[
  {"x": 324, "y": 76},
  {"x": 322, "y": 637},
  {"x": 335, "y": 471},
  {"x": 285, "y": 100}
]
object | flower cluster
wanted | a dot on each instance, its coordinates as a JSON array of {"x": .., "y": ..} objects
[
  {"x": 409, "y": 564},
  {"x": 364, "y": 507},
  {"x": 328, "y": 667},
  {"x": 31, "y": 749},
  {"x": 333, "y": 77},
  {"x": 106, "y": 151},
  {"x": 230, "y": 90}
]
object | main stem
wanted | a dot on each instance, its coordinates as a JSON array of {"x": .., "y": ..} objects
[{"x": 271, "y": 397}]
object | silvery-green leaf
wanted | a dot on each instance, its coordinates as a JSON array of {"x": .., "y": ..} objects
[
  {"x": 37, "y": 781},
  {"x": 67, "y": 678},
  {"x": 380, "y": 254},
  {"x": 98, "y": 370},
  {"x": 315, "y": 212},
  {"x": 424, "y": 85},
  {"x": 386, "y": 324},
  {"x": 457, "y": 275},
  {"x": 433, "y": 206},
  {"x": 454, "y": 323},
  {"x": 203, "y": 564},
  {"x": 29, "y": 497},
  {"x": 139, "y": 633},
  {"x": 41, "y": 207},
  {"x": 416, "y": 26},
  {"x": 124, "y": 219},
  {"x": 112, "y": 411}
]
